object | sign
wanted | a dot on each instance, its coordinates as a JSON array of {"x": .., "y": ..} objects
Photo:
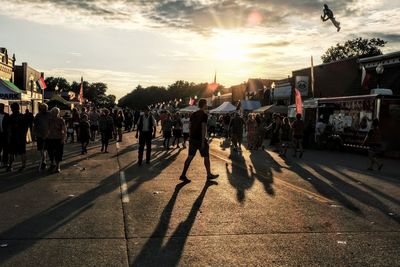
[
  {"x": 302, "y": 84},
  {"x": 10, "y": 96}
]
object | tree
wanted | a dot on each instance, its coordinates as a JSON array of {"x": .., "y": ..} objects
[
  {"x": 61, "y": 82},
  {"x": 357, "y": 47}
]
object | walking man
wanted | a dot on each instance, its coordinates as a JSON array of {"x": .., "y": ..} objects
[
  {"x": 146, "y": 130},
  {"x": 41, "y": 131},
  {"x": 197, "y": 141},
  {"x": 298, "y": 133}
]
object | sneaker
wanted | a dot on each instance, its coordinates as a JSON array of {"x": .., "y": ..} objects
[
  {"x": 184, "y": 179},
  {"x": 212, "y": 176}
]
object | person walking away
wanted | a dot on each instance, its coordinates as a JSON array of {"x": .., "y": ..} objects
[
  {"x": 374, "y": 142},
  {"x": 198, "y": 133},
  {"x": 146, "y": 130},
  {"x": 106, "y": 127},
  {"x": 298, "y": 133},
  {"x": 56, "y": 139},
  {"x": 177, "y": 123},
  {"x": 166, "y": 128},
  {"x": 260, "y": 132},
  {"x": 285, "y": 136},
  {"x": 4, "y": 119},
  {"x": 185, "y": 129},
  {"x": 85, "y": 133},
  {"x": 119, "y": 124},
  {"x": 251, "y": 126},
  {"x": 17, "y": 130},
  {"x": 114, "y": 116},
  {"x": 94, "y": 117},
  {"x": 75, "y": 122},
  {"x": 29, "y": 121},
  {"x": 236, "y": 127},
  {"x": 70, "y": 127},
  {"x": 40, "y": 132},
  {"x": 319, "y": 131}
]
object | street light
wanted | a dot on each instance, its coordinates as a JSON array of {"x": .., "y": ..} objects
[
  {"x": 379, "y": 70},
  {"x": 195, "y": 97}
]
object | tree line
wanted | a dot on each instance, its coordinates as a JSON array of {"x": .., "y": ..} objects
[
  {"x": 93, "y": 92},
  {"x": 180, "y": 90}
]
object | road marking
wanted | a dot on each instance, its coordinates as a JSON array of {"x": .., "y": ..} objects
[
  {"x": 124, "y": 188},
  {"x": 281, "y": 182}
]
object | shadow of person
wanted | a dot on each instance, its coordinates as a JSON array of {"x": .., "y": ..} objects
[
  {"x": 239, "y": 177},
  {"x": 153, "y": 253}
]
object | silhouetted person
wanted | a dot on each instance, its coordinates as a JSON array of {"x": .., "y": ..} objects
[
  {"x": 197, "y": 141},
  {"x": 29, "y": 121},
  {"x": 298, "y": 134},
  {"x": 4, "y": 118},
  {"x": 146, "y": 130},
  {"x": 374, "y": 142},
  {"x": 17, "y": 130},
  {"x": 41, "y": 131},
  {"x": 84, "y": 129},
  {"x": 106, "y": 127},
  {"x": 56, "y": 139}
]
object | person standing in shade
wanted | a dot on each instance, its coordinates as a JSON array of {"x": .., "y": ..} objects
[
  {"x": 185, "y": 129},
  {"x": 56, "y": 139},
  {"x": 4, "y": 117},
  {"x": 285, "y": 136},
  {"x": 84, "y": 129},
  {"x": 41, "y": 131},
  {"x": 94, "y": 117},
  {"x": 251, "y": 131},
  {"x": 198, "y": 133},
  {"x": 146, "y": 130},
  {"x": 17, "y": 130},
  {"x": 374, "y": 142},
  {"x": 166, "y": 128},
  {"x": 177, "y": 123},
  {"x": 106, "y": 127},
  {"x": 298, "y": 133},
  {"x": 29, "y": 120},
  {"x": 119, "y": 124},
  {"x": 75, "y": 122},
  {"x": 236, "y": 128}
]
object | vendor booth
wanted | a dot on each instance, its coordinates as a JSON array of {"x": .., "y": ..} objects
[
  {"x": 283, "y": 110},
  {"x": 189, "y": 109},
  {"x": 224, "y": 108}
]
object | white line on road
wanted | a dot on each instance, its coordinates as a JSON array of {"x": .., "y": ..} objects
[{"x": 124, "y": 188}]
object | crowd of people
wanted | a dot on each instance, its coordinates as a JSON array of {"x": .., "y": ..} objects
[{"x": 51, "y": 131}]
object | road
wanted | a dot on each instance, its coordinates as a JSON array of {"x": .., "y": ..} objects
[{"x": 104, "y": 210}]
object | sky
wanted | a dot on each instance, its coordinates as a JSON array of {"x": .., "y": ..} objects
[{"x": 125, "y": 43}]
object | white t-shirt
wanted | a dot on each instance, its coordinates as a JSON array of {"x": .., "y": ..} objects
[{"x": 185, "y": 125}]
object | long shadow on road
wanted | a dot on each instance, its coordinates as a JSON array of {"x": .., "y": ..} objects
[{"x": 153, "y": 252}]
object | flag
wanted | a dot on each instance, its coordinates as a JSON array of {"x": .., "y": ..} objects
[
  {"x": 42, "y": 84},
  {"x": 81, "y": 92},
  {"x": 312, "y": 76},
  {"x": 364, "y": 78},
  {"x": 299, "y": 104}
]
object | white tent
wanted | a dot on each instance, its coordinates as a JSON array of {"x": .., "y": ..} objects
[
  {"x": 225, "y": 107},
  {"x": 189, "y": 109}
]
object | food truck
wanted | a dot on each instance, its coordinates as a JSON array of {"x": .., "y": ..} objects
[{"x": 349, "y": 119}]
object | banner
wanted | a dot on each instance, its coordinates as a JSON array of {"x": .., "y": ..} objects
[
  {"x": 299, "y": 102},
  {"x": 302, "y": 84}
]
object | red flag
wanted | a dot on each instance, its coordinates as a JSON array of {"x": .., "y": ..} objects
[
  {"x": 81, "y": 92},
  {"x": 299, "y": 103},
  {"x": 42, "y": 84}
]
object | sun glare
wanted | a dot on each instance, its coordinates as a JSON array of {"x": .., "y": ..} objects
[{"x": 229, "y": 46}]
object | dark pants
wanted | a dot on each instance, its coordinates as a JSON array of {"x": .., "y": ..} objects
[
  {"x": 145, "y": 138},
  {"x": 3, "y": 148},
  {"x": 55, "y": 148}
]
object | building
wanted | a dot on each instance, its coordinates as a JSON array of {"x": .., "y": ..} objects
[
  {"x": 26, "y": 78},
  {"x": 6, "y": 65},
  {"x": 390, "y": 76}
]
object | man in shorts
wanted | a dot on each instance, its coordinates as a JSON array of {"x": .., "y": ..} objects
[{"x": 197, "y": 141}]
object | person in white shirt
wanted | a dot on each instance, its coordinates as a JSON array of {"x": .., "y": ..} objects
[{"x": 185, "y": 129}]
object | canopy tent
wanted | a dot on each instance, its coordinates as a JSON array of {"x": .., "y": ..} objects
[
  {"x": 189, "y": 109},
  {"x": 225, "y": 107},
  {"x": 57, "y": 101},
  {"x": 272, "y": 109},
  {"x": 10, "y": 91},
  {"x": 249, "y": 105}
]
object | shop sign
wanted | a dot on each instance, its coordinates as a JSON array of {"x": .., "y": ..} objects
[
  {"x": 302, "y": 85},
  {"x": 10, "y": 96}
]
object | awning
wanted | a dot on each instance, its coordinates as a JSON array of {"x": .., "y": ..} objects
[
  {"x": 9, "y": 91},
  {"x": 272, "y": 109},
  {"x": 58, "y": 98},
  {"x": 250, "y": 105},
  {"x": 225, "y": 107}
]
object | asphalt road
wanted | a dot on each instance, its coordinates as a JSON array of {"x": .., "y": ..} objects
[{"x": 104, "y": 210}]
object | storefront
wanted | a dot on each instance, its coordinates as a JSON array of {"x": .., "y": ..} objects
[{"x": 10, "y": 93}]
